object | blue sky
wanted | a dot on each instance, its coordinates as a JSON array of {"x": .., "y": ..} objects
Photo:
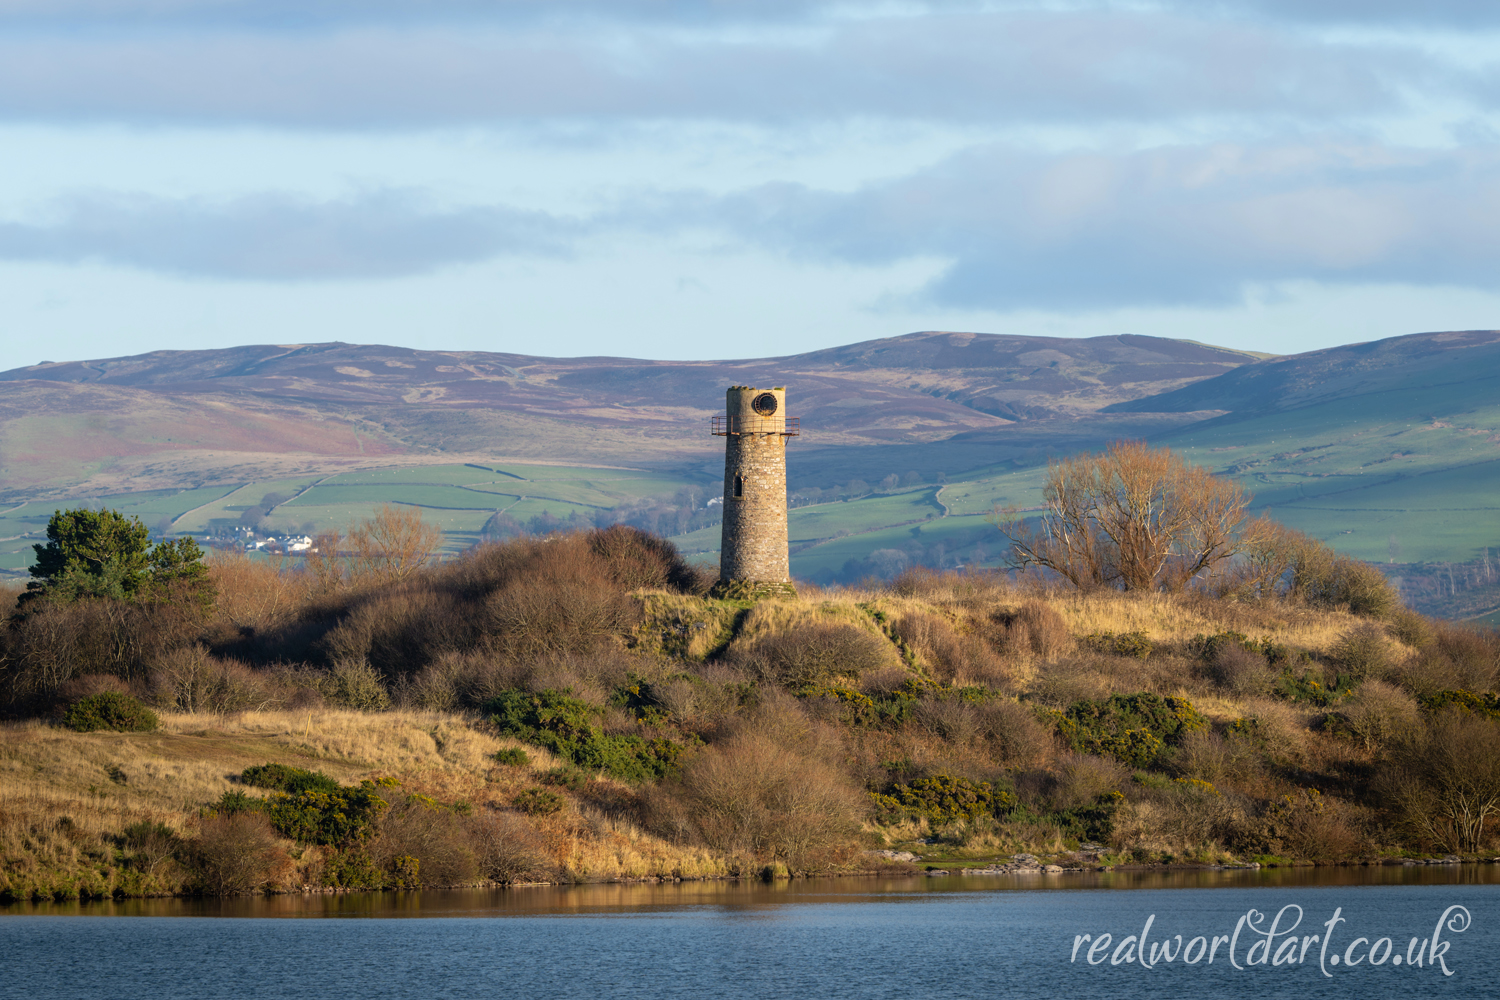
[{"x": 721, "y": 178}]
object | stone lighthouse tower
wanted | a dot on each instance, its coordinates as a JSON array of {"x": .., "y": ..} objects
[{"x": 755, "y": 428}]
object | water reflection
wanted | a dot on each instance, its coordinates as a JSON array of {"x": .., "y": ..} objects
[{"x": 745, "y": 897}]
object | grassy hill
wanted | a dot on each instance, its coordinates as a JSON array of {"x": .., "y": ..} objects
[
  {"x": 531, "y": 713},
  {"x": 1387, "y": 451}
]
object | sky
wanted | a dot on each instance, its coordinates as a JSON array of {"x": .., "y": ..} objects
[{"x": 741, "y": 178}]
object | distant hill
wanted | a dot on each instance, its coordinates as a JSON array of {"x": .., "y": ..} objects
[
  {"x": 1388, "y": 450},
  {"x": 178, "y": 419},
  {"x": 1449, "y": 369}
]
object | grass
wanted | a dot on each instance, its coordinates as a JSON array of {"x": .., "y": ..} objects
[{"x": 65, "y": 797}]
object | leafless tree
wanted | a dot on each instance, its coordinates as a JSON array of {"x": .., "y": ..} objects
[
  {"x": 1444, "y": 781},
  {"x": 392, "y": 545},
  {"x": 1133, "y": 517}
]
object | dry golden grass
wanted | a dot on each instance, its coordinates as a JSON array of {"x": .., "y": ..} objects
[{"x": 64, "y": 796}]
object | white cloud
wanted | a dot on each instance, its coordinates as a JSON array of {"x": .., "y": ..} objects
[
  {"x": 279, "y": 237},
  {"x": 1187, "y": 225},
  {"x": 992, "y": 67}
]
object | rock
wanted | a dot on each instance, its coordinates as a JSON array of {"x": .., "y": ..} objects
[
  {"x": 893, "y": 855},
  {"x": 1052, "y": 868},
  {"x": 938, "y": 871}
]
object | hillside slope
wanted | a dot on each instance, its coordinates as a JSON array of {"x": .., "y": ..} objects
[{"x": 174, "y": 419}]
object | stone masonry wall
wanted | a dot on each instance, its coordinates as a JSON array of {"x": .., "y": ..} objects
[{"x": 754, "y": 546}]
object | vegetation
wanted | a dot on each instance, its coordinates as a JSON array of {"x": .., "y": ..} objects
[
  {"x": 111, "y": 711},
  {"x": 577, "y": 708}
]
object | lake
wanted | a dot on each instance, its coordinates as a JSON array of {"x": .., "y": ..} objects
[{"x": 1074, "y": 935}]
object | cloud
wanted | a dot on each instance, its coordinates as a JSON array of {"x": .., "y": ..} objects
[
  {"x": 1434, "y": 13},
  {"x": 1173, "y": 226},
  {"x": 281, "y": 238},
  {"x": 996, "y": 67},
  {"x": 1188, "y": 225}
]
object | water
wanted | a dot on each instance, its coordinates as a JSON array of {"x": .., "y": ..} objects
[{"x": 865, "y": 938}]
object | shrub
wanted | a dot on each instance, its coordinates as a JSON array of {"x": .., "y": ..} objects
[
  {"x": 236, "y": 853},
  {"x": 1136, "y": 644},
  {"x": 1132, "y": 728},
  {"x": 1312, "y": 686},
  {"x": 770, "y": 798},
  {"x": 285, "y": 778},
  {"x": 353, "y": 868},
  {"x": 419, "y": 842},
  {"x": 570, "y": 778},
  {"x": 236, "y": 801},
  {"x": 342, "y": 818},
  {"x": 353, "y": 683},
  {"x": 1241, "y": 671},
  {"x": 566, "y": 726},
  {"x": 512, "y": 757},
  {"x": 191, "y": 680},
  {"x": 1327, "y": 580},
  {"x": 1361, "y": 652},
  {"x": 1487, "y": 705},
  {"x": 1016, "y": 735},
  {"x": 1034, "y": 628},
  {"x": 948, "y": 653},
  {"x": 816, "y": 653},
  {"x": 507, "y": 849},
  {"x": 1376, "y": 716},
  {"x": 538, "y": 802},
  {"x": 944, "y": 799},
  {"x": 948, "y": 718},
  {"x": 110, "y": 711},
  {"x": 636, "y": 560},
  {"x": 151, "y": 844},
  {"x": 1444, "y": 782}
]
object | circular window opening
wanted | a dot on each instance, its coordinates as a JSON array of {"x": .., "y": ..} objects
[{"x": 764, "y": 404}]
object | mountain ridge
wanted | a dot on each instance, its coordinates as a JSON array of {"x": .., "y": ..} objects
[{"x": 337, "y": 401}]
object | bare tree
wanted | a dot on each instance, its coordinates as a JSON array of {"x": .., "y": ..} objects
[
  {"x": 1133, "y": 517},
  {"x": 325, "y": 562},
  {"x": 1445, "y": 780}
]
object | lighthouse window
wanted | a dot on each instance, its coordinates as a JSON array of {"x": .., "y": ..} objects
[{"x": 739, "y": 486}]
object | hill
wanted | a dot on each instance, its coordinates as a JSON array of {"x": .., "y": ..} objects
[
  {"x": 529, "y": 712},
  {"x": 173, "y": 419},
  {"x": 315, "y": 436},
  {"x": 1389, "y": 450},
  {"x": 1385, "y": 450}
]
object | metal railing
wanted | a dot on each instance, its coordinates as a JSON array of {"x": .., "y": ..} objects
[{"x": 725, "y": 425}]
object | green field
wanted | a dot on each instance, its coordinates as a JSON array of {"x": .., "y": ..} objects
[
  {"x": 1414, "y": 472},
  {"x": 457, "y": 498}
]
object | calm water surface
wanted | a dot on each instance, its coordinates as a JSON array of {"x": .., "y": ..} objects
[{"x": 909, "y": 938}]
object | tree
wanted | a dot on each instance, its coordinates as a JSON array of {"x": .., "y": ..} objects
[
  {"x": 1133, "y": 517},
  {"x": 1445, "y": 780},
  {"x": 104, "y": 554},
  {"x": 388, "y": 547},
  {"x": 91, "y": 553}
]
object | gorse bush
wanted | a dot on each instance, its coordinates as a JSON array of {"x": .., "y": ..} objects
[
  {"x": 339, "y": 818},
  {"x": 1134, "y": 729},
  {"x": 110, "y": 711},
  {"x": 1486, "y": 705},
  {"x": 512, "y": 757},
  {"x": 1136, "y": 644},
  {"x": 944, "y": 799},
  {"x": 284, "y": 778},
  {"x": 569, "y": 728}
]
